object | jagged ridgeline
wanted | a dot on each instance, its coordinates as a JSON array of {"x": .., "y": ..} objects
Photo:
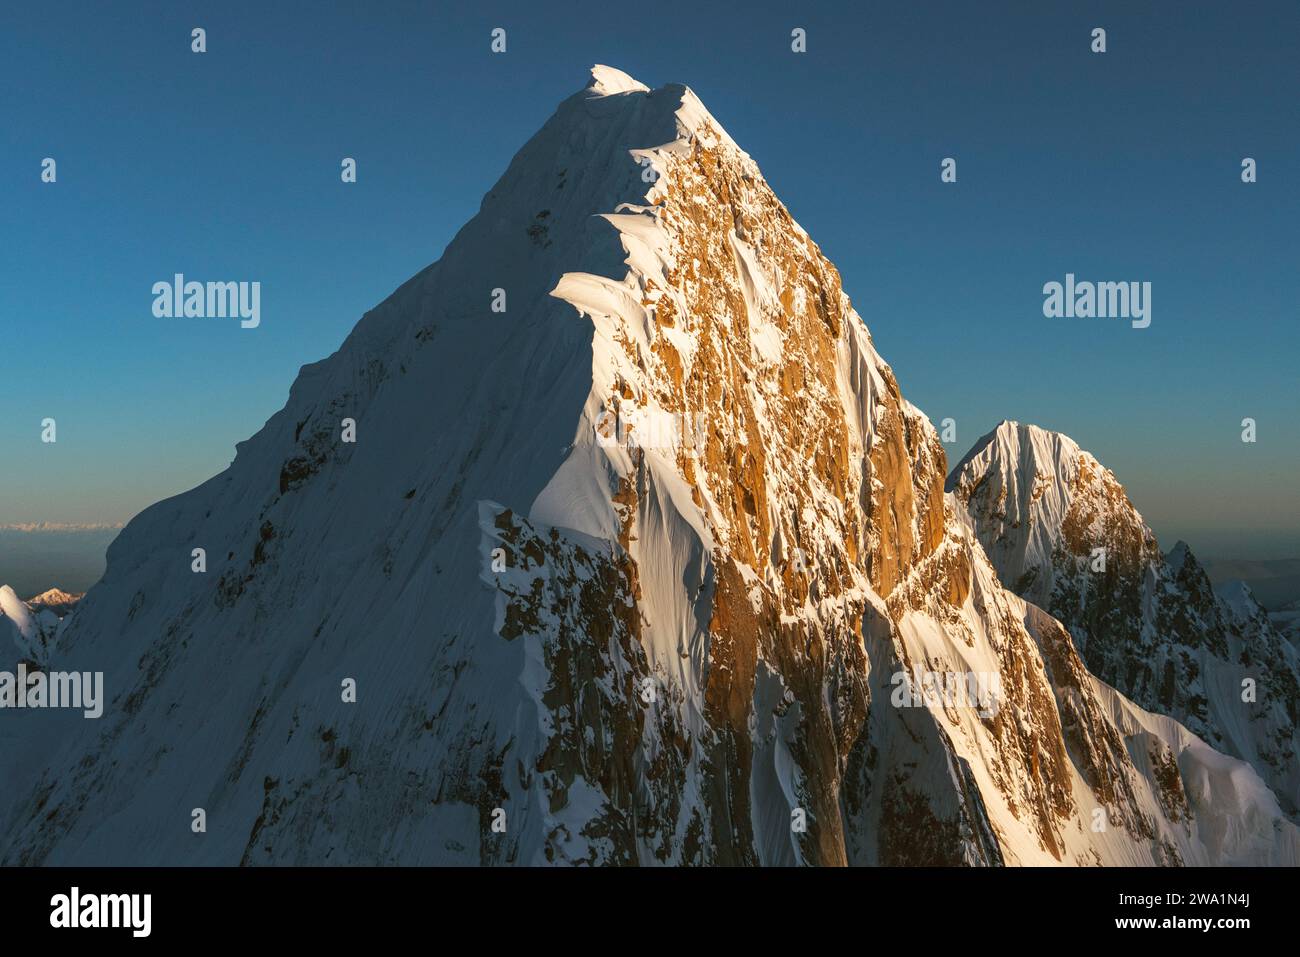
[
  {"x": 634, "y": 544},
  {"x": 1063, "y": 534}
]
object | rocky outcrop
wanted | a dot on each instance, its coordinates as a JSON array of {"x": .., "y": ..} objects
[{"x": 1063, "y": 534}]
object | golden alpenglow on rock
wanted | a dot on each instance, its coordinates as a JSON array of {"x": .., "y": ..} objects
[{"x": 656, "y": 566}]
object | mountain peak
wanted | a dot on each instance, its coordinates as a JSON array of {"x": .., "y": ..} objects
[
  {"x": 1062, "y": 533},
  {"x": 608, "y": 81},
  {"x": 1179, "y": 554},
  {"x": 1016, "y": 442},
  {"x": 760, "y": 541},
  {"x": 55, "y": 599},
  {"x": 52, "y": 596},
  {"x": 1031, "y": 493}
]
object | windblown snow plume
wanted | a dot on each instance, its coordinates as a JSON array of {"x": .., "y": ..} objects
[{"x": 656, "y": 566}]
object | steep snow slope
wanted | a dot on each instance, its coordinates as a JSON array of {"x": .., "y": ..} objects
[
  {"x": 1149, "y": 624},
  {"x": 624, "y": 574}
]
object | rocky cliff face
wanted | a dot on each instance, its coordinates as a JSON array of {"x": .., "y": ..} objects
[
  {"x": 1063, "y": 534},
  {"x": 656, "y": 566}
]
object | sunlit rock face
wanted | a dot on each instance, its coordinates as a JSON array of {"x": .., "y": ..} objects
[{"x": 655, "y": 566}]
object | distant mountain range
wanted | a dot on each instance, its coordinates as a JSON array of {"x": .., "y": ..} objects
[
  {"x": 1275, "y": 583},
  {"x": 34, "y": 556},
  {"x": 60, "y": 527}
]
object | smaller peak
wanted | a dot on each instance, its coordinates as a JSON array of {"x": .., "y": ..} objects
[
  {"x": 1047, "y": 444},
  {"x": 1179, "y": 555},
  {"x": 53, "y": 596},
  {"x": 607, "y": 81},
  {"x": 1011, "y": 431},
  {"x": 1011, "y": 442},
  {"x": 1012, "y": 427}
]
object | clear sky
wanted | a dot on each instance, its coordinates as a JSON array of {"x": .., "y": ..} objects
[{"x": 1116, "y": 166}]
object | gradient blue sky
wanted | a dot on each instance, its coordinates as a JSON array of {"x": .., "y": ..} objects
[{"x": 226, "y": 166}]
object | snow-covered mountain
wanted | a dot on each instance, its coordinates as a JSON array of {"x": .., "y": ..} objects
[
  {"x": 34, "y": 625},
  {"x": 625, "y": 573},
  {"x": 1063, "y": 534},
  {"x": 55, "y": 600}
]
